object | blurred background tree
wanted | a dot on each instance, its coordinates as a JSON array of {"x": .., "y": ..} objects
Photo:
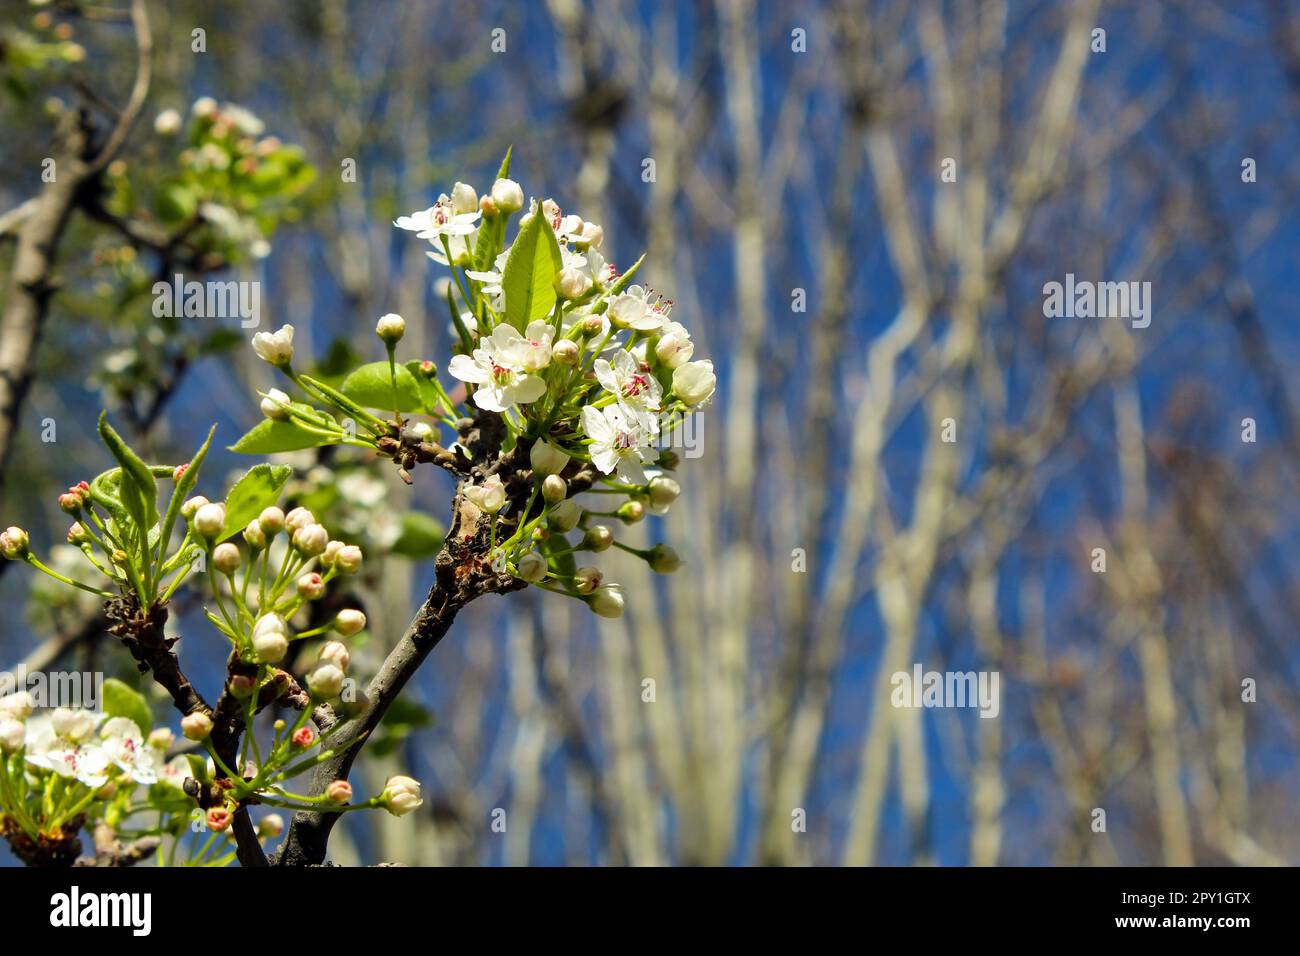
[{"x": 784, "y": 164}]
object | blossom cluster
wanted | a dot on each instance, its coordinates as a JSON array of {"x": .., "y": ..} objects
[{"x": 588, "y": 372}]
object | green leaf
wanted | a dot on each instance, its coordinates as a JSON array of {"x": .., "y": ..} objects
[
  {"x": 198, "y": 767},
  {"x": 182, "y": 490},
  {"x": 563, "y": 564},
  {"x": 372, "y": 386},
  {"x": 339, "y": 400},
  {"x": 139, "y": 490},
  {"x": 123, "y": 701},
  {"x": 530, "y": 272},
  {"x": 258, "y": 488},
  {"x": 421, "y": 536},
  {"x": 504, "y": 171},
  {"x": 269, "y": 436}
]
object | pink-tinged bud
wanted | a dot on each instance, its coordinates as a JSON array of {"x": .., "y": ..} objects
[
  {"x": 209, "y": 520},
  {"x": 192, "y": 506},
  {"x": 554, "y": 489},
  {"x": 349, "y": 622},
  {"x": 587, "y": 579},
  {"x": 428, "y": 368},
  {"x": 242, "y": 685},
  {"x": 348, "y": 560},
  {"x": 298, "y": 518},
  {"x": 311, "y": 586},
  {"x": 225, "y": 558},
  {"x": 336, "y": 653},
  {"x": 311, "y": 540},
  {"x": 70, "y": 503},
  {"x": 598, "y": 538},
  {"x": 487, "y": 207},
  {"x": 196, "y": 726},
  {"x": 13, "y": 543},
  {"x": 401, "y": 795},
  {"x": 179, "y": 472},
  {"x": 272, "y": 521},
  {"x": 339, "y": 791},
  {"x": 303, "y": 736},
  {"x": 532, "y": 567},
  {"x": 607, "y": 601},
  {"x": 78, "y": 534},
  {"x": 566, "y": 352},
  {"x": 219, "y": 818}
]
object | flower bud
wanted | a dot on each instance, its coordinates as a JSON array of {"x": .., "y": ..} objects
[
  {"x": 507, "y": 196},
  {"x": 487, "y": 207},
  {"x": 532, "y": 567},
  {"x": 275, "y": 347},
  {"x": 607, "y": 601},
  {"x": 74, "y": 724},
  {"x": 694, "y": 382},
  {"x": 330, "y": 553},
  {"x": 565, "y": 352},
  {"x": 271, "y": 826},
  {"x": 209, "y": 520},
  {"x": 586, "y": 580},
  {"x": 18, "y": 705},
  {"x": 489, "y": 497},
  {"x": 554, "y": 489},
  {"x": 70, "y": 503},
  {"x": 564, "y": 516},
  {"x": 663, "y": 491},
  {"x": 348, "y": 559},
  {"x": 196, "y": 726},
  {"x": 591, "y": 325},
  {"x": 339, "y": 791},
  {"x": 349, "y": 622},
  {"x": 77, "y": 534},
  {"x": 663, "y": 559},
  {"x": 463, "y": 198},
  {"x": 401, "y": 794},
  {"x": 274, "y": 405},
  {"x": 311, "y": 540},
  {"x": 674, "y": 349},
  {"x": 13, "y": 734},
  {"x": 242, "y": 685},
  {"x": 326, "y": 680},
  {"x": 270, "y": 646},
  {"x": 192, "y": 506},
  {"x": 219, "y": 818},
  {"x": 391, "y": 328},
  {"x": 571, "y": 283},
  {"x": 298, "y": 518},
  {"x": 336, "y": 653},
  {"x": 13, "y": 543},
  {"x": 311, "y": 586},
  {"x": 255, "y": 536},
  {"x": 630, "y": 512},
  {"x": 162, "y": 738},
  {"x": 303, "y": 736},
  {"x": 546, "y": 459},
  {"x": 272, "y": 521},
  {"x": 270, "y": 623},
  {"x": 598, "y": 538},
  {"x": 226, "y": 558},
  {"x": 167, "y": 123},
  {"x": 417, "y": 432}
]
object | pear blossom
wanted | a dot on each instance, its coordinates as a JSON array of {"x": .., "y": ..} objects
[
  {"x": 124, "y": 746},
  {"x": 694, "y": 382},
  {"x": 628, "y": 380},
  {"x": 636, "y": 309},
  {"x": 275, "y": 347},
  {"x": 440, "y": 219},
  {"x": 498, "y": 367},
  {"x": 674, "y": 346},
  {"x": 616, "y": 441}
]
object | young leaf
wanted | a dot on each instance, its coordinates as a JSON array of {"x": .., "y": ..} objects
[
  {"x": 182, "y": 490},
  {"x": 269, "y": 436},
  {"x": 123, "y": 701},
  {"x": 504, "y": 171},
  {"x": 372, "y": 386},
  {"x": 340, "y": 401},
  {"x": 138, "y": 489},
  {"x": 530, "y": 272},
  {"x": 258, "y": 488}
]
